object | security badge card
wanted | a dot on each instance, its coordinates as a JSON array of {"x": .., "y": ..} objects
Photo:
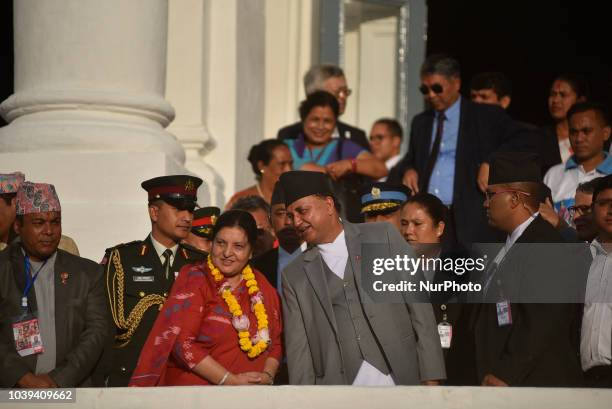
[
  {"x": 504, "y": 313},
  {"x": 445, "y": 330},
  {"x": 27, "y": 335}
]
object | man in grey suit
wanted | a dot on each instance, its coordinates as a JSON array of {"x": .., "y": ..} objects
[
  {"x": 54, "y": 319},
  {"x": 332, "y": 337}
]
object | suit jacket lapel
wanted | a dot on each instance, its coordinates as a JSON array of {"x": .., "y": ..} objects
[
  {"x": 63, "y": 293},
  {"x": 353, "y": 243},
  {"x": 463, "y": 145},
  {"x": 17, "y": 260},
  {"x": 428, "y": 129},
  {"x": 315, "y": 273}
]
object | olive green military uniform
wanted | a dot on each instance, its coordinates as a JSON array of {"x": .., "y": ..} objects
[{"x": 136, "y": 288}]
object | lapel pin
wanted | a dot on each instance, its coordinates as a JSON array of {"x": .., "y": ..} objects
[{"x": 64, "y": 277}]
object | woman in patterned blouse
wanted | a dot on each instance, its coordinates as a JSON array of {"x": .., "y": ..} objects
[{"x": 211, "y": 330}]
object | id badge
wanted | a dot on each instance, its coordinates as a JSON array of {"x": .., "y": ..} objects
[
  {"x": 445, "y": 330},
  {"x": 27, "y": 336},
  {"x": 504, "y": 313}
]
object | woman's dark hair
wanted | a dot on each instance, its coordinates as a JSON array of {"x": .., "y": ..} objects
[
  {"x": 263, "y": 152},
  {"x": 237, "y": 218},
  {"x": 432, "y": 205},
  {"x": 319, "y": 99},
  {"x": 578, "y": 83}
]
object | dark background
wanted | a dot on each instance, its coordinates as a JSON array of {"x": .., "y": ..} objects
[{"x": 530, "y": 41}]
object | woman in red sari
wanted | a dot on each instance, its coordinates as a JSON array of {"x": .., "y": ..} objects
[{"x": 221, "y": 323}]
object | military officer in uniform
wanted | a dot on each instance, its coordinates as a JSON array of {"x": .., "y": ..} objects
[
  {"x": 204, "y": 220},
  {"x": 139, "y": 274}
]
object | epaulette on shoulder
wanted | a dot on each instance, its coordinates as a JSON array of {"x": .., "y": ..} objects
[
  {"x": 122, "y": 245},
  {"x": 108, "y": 251}
]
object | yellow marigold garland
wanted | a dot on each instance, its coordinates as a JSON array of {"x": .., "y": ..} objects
[{"x": 253, "y": 347}]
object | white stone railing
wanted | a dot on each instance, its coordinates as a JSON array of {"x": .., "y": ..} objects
[{"x": 336, "y": 397}]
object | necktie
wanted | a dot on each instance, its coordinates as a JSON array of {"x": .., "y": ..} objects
[
  {"x": 435, "y": 150},
  {"x": 166, "y": 266}
]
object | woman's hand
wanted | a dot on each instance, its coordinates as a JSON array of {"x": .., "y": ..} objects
[
  {"x": 245, "y": 378},
  {"x": 313, "y": 167},
  {"x": 260, "y": 378},
  {"x": 337, "y": 170}
]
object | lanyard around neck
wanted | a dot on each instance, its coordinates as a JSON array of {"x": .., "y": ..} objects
[{"x": 30, "y": 279}]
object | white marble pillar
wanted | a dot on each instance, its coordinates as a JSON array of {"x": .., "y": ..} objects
[{"x": 88, "y": 113}]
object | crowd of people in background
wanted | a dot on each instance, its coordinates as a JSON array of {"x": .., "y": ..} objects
[{"x": 269, "y": 288}]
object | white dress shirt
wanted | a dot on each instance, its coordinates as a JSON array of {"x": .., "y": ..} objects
[
  {"x": 335, "y": 254},
  {"x": 596, "y": 333},
  {"x": 160, "y": 248},
  {"x": 389, "y": 163}
]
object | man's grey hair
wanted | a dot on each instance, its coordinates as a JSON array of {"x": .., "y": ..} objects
[
  {"x": 441, "y": 64},
  {"x": 316, "y": 76}
]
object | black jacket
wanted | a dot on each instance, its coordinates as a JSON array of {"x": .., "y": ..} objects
[
  {"x": 82, "y": 320},
  {"x": 138, "y": 268},
  {"x": 540, "y": 347},
  {"x": 483, "y": 129},
  {"x": 267, "y": 264}
]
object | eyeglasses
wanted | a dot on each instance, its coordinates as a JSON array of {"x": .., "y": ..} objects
[
  {"x": 489, "y": 194},
  {"x": 344, "y": 91},
  {"x": 579, "y": 210},
  {"x": 436, "y": 88}
]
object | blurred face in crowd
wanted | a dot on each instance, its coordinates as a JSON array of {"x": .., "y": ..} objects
[
  {"x": 230, "y": 250},
  {"x": 393, "y": 218},
  {"x": 602, "y": 215},
  {"x": 384, "y": 146},
  {"x": 287, "y": 236},
  {"x": 201, "y": 243},
  {"x": 488, "y": 96},
  {"x": 562, "y": 96},
  {"x": 7, "y": 216},
  {"x": 314, "y": 218},
  {"x": 280, "y": 162},
  {"x": 338, "y": 88},
  {"x": 440, "y": 91},
  {"x": 582, "y": 216},
  {"x": 265, "y": 234},
  {"x": 418, "y": 227},
  {"x": 169, "y": 224},
  {"x": 587, "y": 134},
  {"x": 40, "y": 234},
  {"x": 319, "y": 126}
]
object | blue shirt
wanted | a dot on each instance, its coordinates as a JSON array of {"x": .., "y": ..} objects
[
  {"x": 442, "y": 178},
  {"x": 321, "y": 156},
  {"x": 285, "y": 258}
]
